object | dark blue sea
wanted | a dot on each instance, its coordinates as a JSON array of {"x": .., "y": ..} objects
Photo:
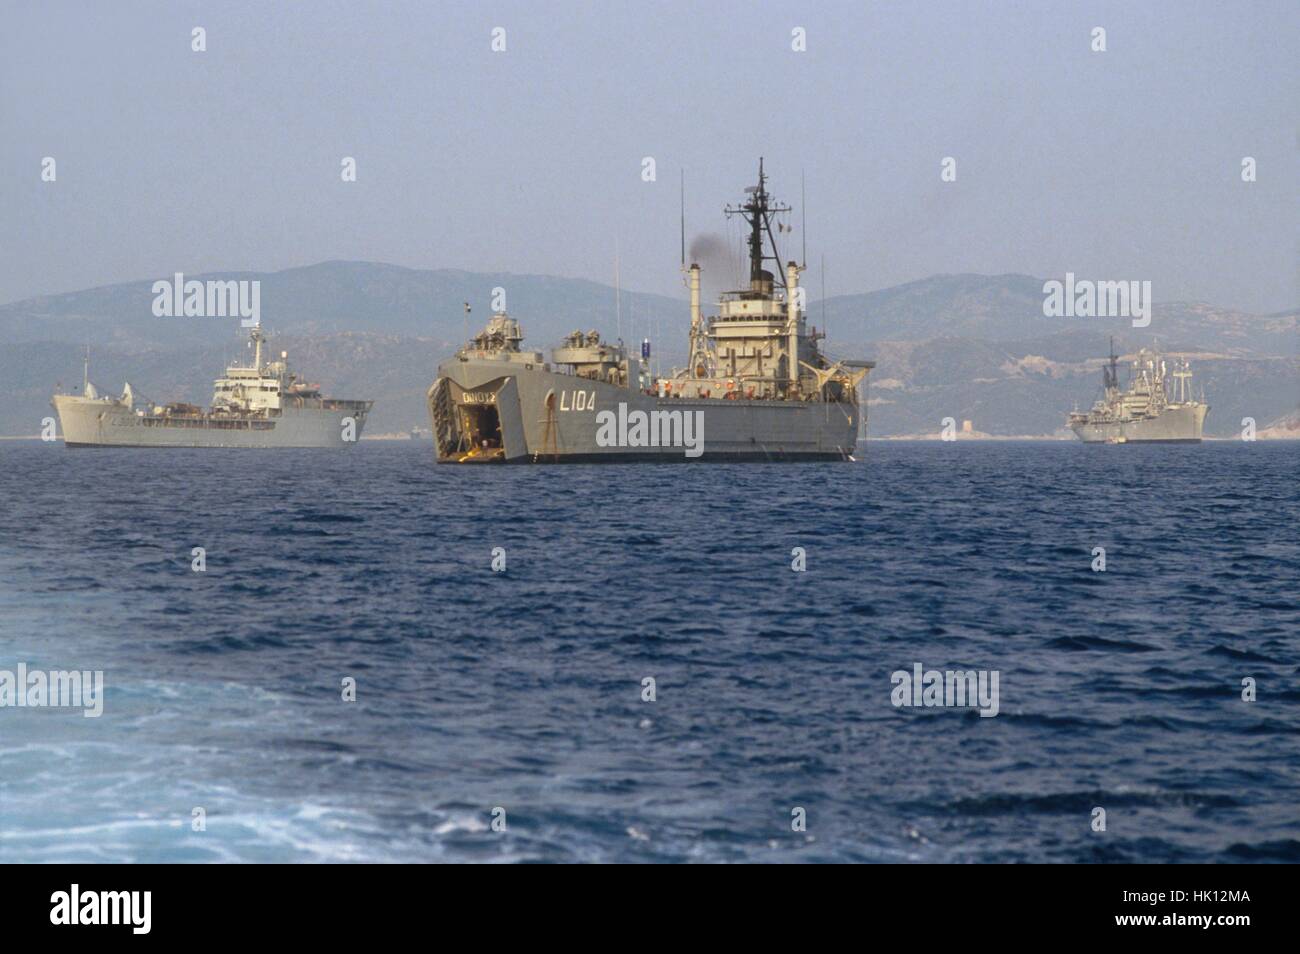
[{"x": 522, "y": 690}]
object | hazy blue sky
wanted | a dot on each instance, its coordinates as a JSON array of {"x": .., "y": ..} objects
[{"x": 1115, "y": 165}]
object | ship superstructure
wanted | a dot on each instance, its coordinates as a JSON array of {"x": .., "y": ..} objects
[
  {"x": 756, "y": 386},
  {"x": 263, "y": 404},
  {"x": 1158, "y": 406}
]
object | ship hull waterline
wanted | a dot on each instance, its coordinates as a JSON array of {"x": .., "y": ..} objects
[
  {"x": 541, "y": 416},
  {"x": 1175, "y": 425},
  {"x": 96, "y": 423}
]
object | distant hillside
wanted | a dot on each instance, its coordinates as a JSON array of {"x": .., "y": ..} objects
[
  {"x": 1010, "y": 308},
  {"x": 335, "y": 297},
  {"x": 970, "y": 347}
]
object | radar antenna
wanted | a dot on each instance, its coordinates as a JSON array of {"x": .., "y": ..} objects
[
  {"x": 758, "y": 213},
  {"x": 1111, "y": 371}
]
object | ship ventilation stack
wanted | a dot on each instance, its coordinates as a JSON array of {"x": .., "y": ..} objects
[
  {"x": 695, "y": 295},
  {"x": 792, "y": 317}
]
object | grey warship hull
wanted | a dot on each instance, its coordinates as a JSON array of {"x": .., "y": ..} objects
[
  {"x": 86, "y": 423},
  {"x": 1157, "y": 407},
  {"x": 1174, "y": 425},
  {"x": 757, "y": 385},
  {"x": 533, "y": 415},
  {"x": 263, "y": 405}
]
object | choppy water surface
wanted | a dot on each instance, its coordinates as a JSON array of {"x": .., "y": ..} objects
[{"x": 523, "y": 689}]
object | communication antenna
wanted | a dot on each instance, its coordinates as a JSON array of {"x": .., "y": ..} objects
[
  {"x": 618, "y": 294},
  {"x": 654, "y": 366},
  {"x": 683, "y": 197},
  {"x": 823, "y": 293},
  {"x": 803, "y": 215}
]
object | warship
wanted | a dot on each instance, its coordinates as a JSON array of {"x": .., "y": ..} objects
[
  {"x": 1157, "y": 408},
  {"x": 260, "y": 405},
  {"x": 757, "y": 385}
]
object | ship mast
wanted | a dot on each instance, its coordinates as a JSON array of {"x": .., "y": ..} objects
[
  {"x": 1182, "y": 381},
  {"x": 758, "y": 212}
]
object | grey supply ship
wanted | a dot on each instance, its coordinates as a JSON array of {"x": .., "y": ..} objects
[
  {"x": 1158, "y": 406},
  {"x": 262, "y": 405},
  {"x": 757, "y": 385}
]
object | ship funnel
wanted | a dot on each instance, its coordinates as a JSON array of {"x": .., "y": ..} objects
[
  {"x": 256, "y": 338},
  {"x": 695, "y": 295}
]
